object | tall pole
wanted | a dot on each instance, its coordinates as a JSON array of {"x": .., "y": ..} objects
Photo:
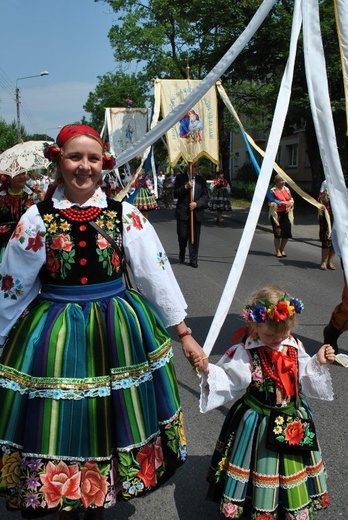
[
  {"x": 18, "y": 101},
  {"x": 19, "y": 132}
]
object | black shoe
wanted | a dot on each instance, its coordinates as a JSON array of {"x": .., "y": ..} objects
[
  {"x": 331, "y": 336},
  {"x": 193, "y": 264},
  {"x": 182, "y": 259}
]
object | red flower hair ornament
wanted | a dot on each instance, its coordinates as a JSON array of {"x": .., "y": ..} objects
[{"x": 53, "y": 152}]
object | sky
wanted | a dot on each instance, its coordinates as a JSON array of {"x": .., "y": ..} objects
[{"x": 69, "y": 39}]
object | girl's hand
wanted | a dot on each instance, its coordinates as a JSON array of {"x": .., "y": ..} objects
[{"x": 326, "y": 354}]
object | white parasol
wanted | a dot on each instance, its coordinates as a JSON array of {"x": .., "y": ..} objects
[{"x": 23, "y": 157}]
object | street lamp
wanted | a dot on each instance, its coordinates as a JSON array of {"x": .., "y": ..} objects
[{"x": 19, "y": 132}]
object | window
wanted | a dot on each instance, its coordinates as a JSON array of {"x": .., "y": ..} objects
[{"x": 292, "y": 150}]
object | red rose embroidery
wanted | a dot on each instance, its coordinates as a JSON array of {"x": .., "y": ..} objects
[
  {"x": 102, "y": 242},
  {"x": 62, "y": 242},
  {"x": 7, "y": 283},
  {"x": 147, "y": 473},
  {"x": 4, "y": 229},
  {"x": 94, "y": 485},
  {"x": 294, "y": 433},
  {"x": 19, "y": 231},
  {"x": 35, "y": 243},
  {"x": 52, "y": 263},
  {"x": 136, "y": 221},
  {"x": 115, "y": 260},
  {"x": 60, "y": 481}
]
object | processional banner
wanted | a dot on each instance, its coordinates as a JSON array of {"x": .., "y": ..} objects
[
  {"x": 125, "y": 127},
  {"x": 196, "y": 133}
]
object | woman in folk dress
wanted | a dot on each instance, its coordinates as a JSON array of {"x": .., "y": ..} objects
[{"x": 89, "y": 404}]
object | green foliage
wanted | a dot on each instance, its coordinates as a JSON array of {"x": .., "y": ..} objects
[
  {"x": 242, "y": 190},
  {"x": 163, "y": 37},
  {"x": 246, "y": 173},
  {"x": 112, "y": 91},
  {"x": 8, "y": 135}
]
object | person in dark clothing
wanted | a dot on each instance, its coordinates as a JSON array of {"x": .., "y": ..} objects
[{"x": 192, "y": 199}]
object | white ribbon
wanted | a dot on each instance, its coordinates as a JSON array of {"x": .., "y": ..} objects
[
  {"x": 260, "y": 189},
  {"x": 165, "y": 124},
  {"x": 323, "y": 121},
  {"x": 341, "y": 13}
]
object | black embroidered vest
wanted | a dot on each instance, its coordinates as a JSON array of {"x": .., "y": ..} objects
[{"x": 76, "y": 254}]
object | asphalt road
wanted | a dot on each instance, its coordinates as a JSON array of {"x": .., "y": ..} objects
[{"x": 183, "y": 498}]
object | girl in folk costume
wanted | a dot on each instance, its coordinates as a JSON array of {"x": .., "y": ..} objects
[
  {"x": 281, "y": 215},
  {"x": 249, "y": 475},
  {"x": 85, "y": 358},
  {"x": 145, "y": 198},
  {"x": 15, "y": 198},
  {"x": 220, "y": 190}
]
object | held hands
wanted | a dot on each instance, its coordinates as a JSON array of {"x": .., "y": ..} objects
[
  {"x": 194, "y": 354},
  {"x": 326, "y": 354}
]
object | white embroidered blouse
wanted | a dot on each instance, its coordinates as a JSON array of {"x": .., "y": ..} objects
[
  {"x": 144, "y": 254},
  {"x": 232, "y": 374}
]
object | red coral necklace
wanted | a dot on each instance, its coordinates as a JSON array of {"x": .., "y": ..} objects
[{"x": 81, "y": 215}]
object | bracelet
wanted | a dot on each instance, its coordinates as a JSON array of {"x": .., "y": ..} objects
[{"x": 187, "y": 332}]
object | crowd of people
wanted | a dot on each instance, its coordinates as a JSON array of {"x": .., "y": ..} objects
[{"x": 87, "y": 298}]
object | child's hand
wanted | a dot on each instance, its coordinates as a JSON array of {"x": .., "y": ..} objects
[
  {"x": 200, "y": 364},
  {"x": 326, "y": 354}
]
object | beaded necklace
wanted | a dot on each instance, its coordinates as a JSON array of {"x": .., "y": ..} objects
[
  {"x": 81, "y": 215},
  {"x": 267, "y": 365}
]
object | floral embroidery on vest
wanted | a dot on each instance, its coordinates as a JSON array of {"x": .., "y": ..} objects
[
  {"x": 60, "y": 245},
  {"x": 111, "y": 224}
]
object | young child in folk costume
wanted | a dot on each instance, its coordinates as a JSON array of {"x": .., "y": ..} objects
[
  {"x": 246, "y": 475},
  {"x": 220, "y": 190}
]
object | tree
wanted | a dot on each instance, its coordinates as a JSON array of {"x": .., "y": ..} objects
[
  {"x": 160, "y": 35},
  {"x": 8, "y": 135},
  {"x": 112, "y": 91}
]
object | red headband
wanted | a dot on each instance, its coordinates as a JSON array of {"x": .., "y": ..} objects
[
  {"x": 53, "y": 152},
  {"x": 70, "y": 131}
]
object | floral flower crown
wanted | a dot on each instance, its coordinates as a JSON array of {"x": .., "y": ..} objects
[{"x": 266, "y": 311}]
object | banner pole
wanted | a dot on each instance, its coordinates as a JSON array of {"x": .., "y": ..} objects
[{"x": 192, "y": 234}]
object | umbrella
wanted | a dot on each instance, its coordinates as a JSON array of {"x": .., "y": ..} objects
[{"x": 24, "y": 157}]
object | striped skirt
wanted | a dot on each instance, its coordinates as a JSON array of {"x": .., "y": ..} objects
[
  {"x": 144, "y": 200},
  {"x": 249, "y": 479},
  {"x": 90, "y": 411},
  {"x": 220, "y": 200}
]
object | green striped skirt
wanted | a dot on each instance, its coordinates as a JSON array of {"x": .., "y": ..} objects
[
  {"x": 90, "y": 410},
  {"x": 144, "y": 200},
  {"x": 249, "y": 479}
]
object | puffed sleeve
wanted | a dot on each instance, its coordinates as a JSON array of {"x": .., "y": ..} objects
[
  {"x": 150, "y": 266},
  {"x": 315, "y": 379},
  {"x": 226, "y": 379},
  {"x": 24, "y": 256}
]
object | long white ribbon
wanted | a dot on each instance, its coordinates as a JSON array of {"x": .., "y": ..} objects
[
  {"x": 260, "y": 189},
  {"x": 341, "y": 13},
  {"x": 165, "y": 124},
  {"x": 323, "y": 121}
]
